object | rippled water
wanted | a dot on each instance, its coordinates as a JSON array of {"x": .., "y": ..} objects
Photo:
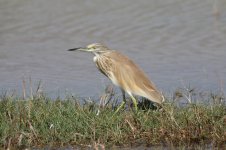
[{"x": 177, "y": 42}]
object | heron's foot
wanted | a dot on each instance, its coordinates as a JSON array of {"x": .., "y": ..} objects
[
  {"x": 120, "y": 107},
  {"x": 135, "y": 106}
]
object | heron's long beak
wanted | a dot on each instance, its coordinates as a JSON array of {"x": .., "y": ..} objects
[{"x": 78, "y": 48}]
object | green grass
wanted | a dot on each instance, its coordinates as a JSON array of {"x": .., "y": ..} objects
[{"x": 41, "y": 122}]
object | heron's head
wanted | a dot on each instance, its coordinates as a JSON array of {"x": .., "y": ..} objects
[{"x": 96, "y": 48}]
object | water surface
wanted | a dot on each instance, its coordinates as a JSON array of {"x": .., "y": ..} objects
[{"x": 177, "y": 43}]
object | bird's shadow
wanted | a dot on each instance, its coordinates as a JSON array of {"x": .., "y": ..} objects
[{"x": 145, "y": 104}]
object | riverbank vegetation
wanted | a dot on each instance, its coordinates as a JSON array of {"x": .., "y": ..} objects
[{"x": 39, "y": 121}]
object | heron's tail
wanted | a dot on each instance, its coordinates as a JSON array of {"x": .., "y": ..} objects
[{"x": 156, "y": 97}]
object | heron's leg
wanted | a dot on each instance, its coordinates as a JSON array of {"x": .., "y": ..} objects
[
  {"x": 134, "y": 101},
  {"x": 123, "y": 102},
  {"x": 123, "y": 95}
]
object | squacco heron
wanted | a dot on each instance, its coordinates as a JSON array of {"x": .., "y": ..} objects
[{"x": 123, "y": 72}]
